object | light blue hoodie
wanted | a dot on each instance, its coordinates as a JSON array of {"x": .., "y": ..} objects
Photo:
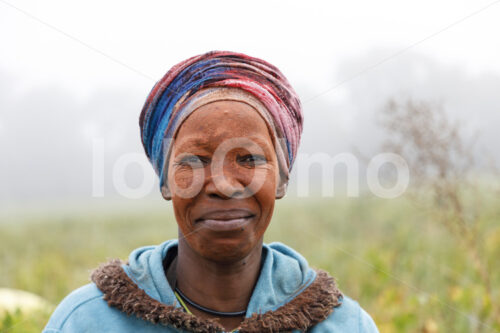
[{"x": 285, "y": 280}]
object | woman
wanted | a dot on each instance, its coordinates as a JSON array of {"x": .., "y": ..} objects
[{"x": 221, "y": 131}]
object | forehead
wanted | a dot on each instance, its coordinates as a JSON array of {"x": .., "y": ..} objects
[{"x": 217, "y": 121}]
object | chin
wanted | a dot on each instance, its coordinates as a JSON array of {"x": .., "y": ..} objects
[{"x": 226, "y": 249}]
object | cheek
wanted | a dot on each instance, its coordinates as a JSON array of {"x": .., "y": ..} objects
[
  {"x": 178, "y": 180},
  {"x": 263, "y": 182},
  {"x": 182, "y": 178},
  {"x": 266, "y": 196},
  {"x": 186, "y": 182},
  {"x": 181, "y": 209}
]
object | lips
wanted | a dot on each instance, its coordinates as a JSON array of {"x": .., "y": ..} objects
[
  {"x": 225, "y": 215},
  {"x": 226, "y": 220}
]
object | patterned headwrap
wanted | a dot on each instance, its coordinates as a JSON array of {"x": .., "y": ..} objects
[{"x": 220, "y": 75}]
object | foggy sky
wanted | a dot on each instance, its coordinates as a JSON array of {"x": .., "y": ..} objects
[
  {"x": 46, "y": 133},
  {"x": 58, "y": 95}
]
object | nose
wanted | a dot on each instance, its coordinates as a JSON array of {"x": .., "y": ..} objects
[{"x": 223, "y": 185}]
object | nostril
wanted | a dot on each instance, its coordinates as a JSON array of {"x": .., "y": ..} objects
[
  {"x": 220, "y": 195},
  {"x": 237, "y": 194},
  {"x": 213, "y": 195}
]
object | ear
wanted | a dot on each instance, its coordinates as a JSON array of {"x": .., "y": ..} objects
[
  {"x": 281, "y": 191},
  {"x": 165, "y": 192},
  {"x": 281, "y": 188}
]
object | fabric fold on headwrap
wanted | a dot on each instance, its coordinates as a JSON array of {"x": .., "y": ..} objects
[{"x": 213, "y": 76}]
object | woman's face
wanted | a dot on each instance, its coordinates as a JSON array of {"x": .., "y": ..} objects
[{"x": 222, "y": 177}]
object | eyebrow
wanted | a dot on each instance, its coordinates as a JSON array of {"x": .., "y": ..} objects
[
  {"x": 198, "y": 143},
  {"x": 204, "y": 144}
]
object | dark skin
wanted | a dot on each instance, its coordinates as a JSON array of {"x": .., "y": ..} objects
[{"x": 222, "y": 220}]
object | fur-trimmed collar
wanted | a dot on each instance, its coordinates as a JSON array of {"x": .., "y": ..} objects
[{"x": 307, "y": 309}]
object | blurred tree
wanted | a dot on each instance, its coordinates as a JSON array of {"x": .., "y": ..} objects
[{"x": 441, "y": 161}]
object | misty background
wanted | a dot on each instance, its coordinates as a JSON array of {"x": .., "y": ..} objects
[{"x": 73, "y": 73}]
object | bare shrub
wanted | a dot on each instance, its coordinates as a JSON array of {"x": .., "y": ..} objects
[{"x": 440, "y": 161}]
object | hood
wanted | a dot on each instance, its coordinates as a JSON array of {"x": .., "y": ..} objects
[{"x": 289, "y": 295}]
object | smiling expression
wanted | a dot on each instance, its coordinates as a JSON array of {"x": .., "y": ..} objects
[{"x": 223, "y": 176}]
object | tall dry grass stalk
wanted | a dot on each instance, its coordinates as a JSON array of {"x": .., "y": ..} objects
[{"x": 441, "y": 160}]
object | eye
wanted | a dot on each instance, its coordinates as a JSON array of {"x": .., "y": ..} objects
[
  {"x": 193, "y": 161},
  {"x": 251, "y": 159}
]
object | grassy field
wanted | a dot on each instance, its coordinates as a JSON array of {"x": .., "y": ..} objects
[{"x": 402, "y": 267}]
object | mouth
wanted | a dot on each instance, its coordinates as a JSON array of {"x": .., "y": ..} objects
[{"x": 226, "y": 220}]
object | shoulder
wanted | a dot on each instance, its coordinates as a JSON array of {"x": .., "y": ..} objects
[
  {"x": 86, "y": 310},
  {"x": 348, "y": 317},
  {"x": 86, "y": 298}
]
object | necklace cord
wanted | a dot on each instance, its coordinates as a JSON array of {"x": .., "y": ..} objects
[{"x": 209, "y": 311}]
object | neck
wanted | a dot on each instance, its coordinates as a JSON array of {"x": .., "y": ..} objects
[{"x": 220, "y": 286}]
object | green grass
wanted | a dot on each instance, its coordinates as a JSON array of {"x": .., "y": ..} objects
[{"x": 389, "y": 255}]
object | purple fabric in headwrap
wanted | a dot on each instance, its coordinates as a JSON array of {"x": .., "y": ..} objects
[{"x": 199, "y": 76}]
